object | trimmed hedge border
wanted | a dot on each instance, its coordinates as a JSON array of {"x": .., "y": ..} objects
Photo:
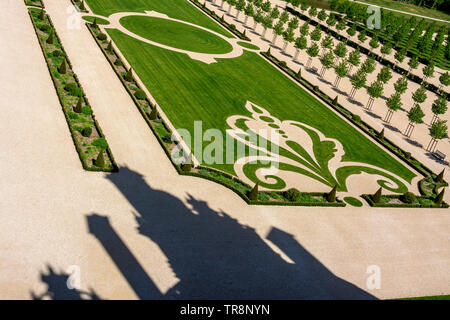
[
  {"x": 30, "y": 3},
  {"x": 214, "y": 16},
  {"x": 388, "y": 144},
  {"x": 369, "y": 200},
  {"x": 378, "y": 58},
  {"x": 115, "y": 167},
  {"x": 78, "y": 8},
  {"x": 338, "y": 203}
]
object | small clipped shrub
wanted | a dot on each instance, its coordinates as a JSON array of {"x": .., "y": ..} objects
[
  {"x": 356, "y": 118},
  {"x": 408, "y": 155},
  {"x": 186, "y": 167},
  {"x": 140, "y": 94},
  {"x": 153, "y": 114},
  {"x": 63, "y": 67},
  {"x": 58, "y": 53},
  {"x": 118, "y": 62},
  {"x": 377, "y": 196},
  {"x": 283, "y": 64},
  {"x": 45, "y": 28},
  {"x": 167, "y": 138},
  {"x": 73, "y": 89},
  {"x": 408, "y": 197},
  {"x": 100, "y": 161},
  {"x": 232, "y": 27},
  {"x": 292, "y": 195},
  {"x": 331, "y": 197},
  {"x": 86, "y": 132},
  {"x": 253, "y": 194},
  {"x": 101, "y": 36},
  {"x": 72, "y": 115},
  {"x": 86, "y": 110}
]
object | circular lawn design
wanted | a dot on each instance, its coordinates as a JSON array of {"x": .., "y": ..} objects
[
  {"x": 353, "y": 201},
  {"x": 177, "y": 35}
]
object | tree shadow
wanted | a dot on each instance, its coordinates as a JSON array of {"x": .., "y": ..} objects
[
  {"x": 413, "y": 142},
  {"x": 212, "y": 254},
  {"x": 355, "y": 102},
  {"x": 57, "y": 288},
  {"x": 390, "y": 127},
  {"x": 440, "y": 161},
  {"x": 340, "y": 91},
  {"x": 373, "y": 115}
]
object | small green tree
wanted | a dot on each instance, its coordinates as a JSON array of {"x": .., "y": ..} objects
[
  {"x": 278, "y": 31},
  {"x": 341, "y": 71},
  {"x": 331, "y": 196},
  {"x": 340, "y": 50},
  {"x": 351, "y": 31},
  {"x": 304, "y": 29},
  {"x": 316, "y": 34},
  {"x": 129, "y": 75},
  {"x": 438, "y": 131},
  {"x": 440, "y": 198},
  {"x": 301, "y": 43},
  {"x": 369, "y": 65},
  {"x": 327, "y": 43},
  {"x": 385, "y": 74},
  {"x": 439, "y": 107},
  {"x": 374, "y": 42},
  {"x": 354, "y": 58},
  {"x": 375, "y": 90},
  {"x": 362, "y": 36},
  {"x": 50, "y": 38},
  {"x": 400, "y": 55},
  {"x": 358, "y": 81},
  {"x": 322, "y": 15},
  {"x": 62, "y": 69},
  {"x": 415, "y": 116},
  {"x": 440, "y": 177},
  {"x": 102, "y": 145},
  {"x": 444, "y": 80},
  {"x": 394, "y": 103},
  {"x": 327, "y": 62},
  {"x": 401, "y": 85},
  {"x": 377, "y": 196},
  {"x": 420, "y": 95},
  {"x": 79, "y": 107},
  {"x": 413, "y": 63},
  {"x": 153, "y": 114},
  {"x": 253, "y": 194},
  {"x": 428, "y": 70},
  {"x": 249, "y": 12},
  {"x": 386, "y": 49},
  {"x": 312, "y": 52}
]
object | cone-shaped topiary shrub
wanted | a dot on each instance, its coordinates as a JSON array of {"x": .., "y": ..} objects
[
  {"x": 299, "y": 73},
  {"x": 331, "y": 196},
  {"x": 94, "y": 23},
  {"x": 100, "y": 161},
  {"x": 82, "y": 6},
  {"x": 129, "y": 75},
  {"x": 86, "y": 132},
  {"x": 153, "y": 114},
  {"x": 41, "y": 15},
  {"x": 110, "y": 47},
  {"x": 118, "y": 62},
  {"x": 377, "y": 196},
  {"x": 63, "y": 67},
  {"x": 79, "y": 107},
  {"x": 440, "y": 177},
  {"x": 101, "y": 36},
  {"x": 268, "y": 51},
  {"x": 50, "y": 39},
  {"x": 253, "y": 194},
  {"x": 440, "y": 197},
  {"x": 335, "y": 101},
  {"x": 381, "y": 134}
]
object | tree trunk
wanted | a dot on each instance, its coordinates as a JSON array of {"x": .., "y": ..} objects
[
  {"x": 274, "y": 38},
  {"x": 245, "y": 21},
  {"x": 285, "y": 45},
  {"x": 229, "y": 9},
  {"x": 296, "y": 54},
  {"x": 264, "y": 33},
  {"x": 254, "y": 25}
]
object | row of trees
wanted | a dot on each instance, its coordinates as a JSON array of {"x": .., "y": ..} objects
[{"x": 336, "y": 58}]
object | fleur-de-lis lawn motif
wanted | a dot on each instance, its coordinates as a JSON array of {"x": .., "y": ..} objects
[{"x": 293, "y": 146}]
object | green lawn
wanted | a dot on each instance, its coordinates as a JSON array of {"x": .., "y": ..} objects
[
  {"x": 176, "y": 35},
  {"x": 189, "y": 90},
  {"x": 188, "y": 12}
]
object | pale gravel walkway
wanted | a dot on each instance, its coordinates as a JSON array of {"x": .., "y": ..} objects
[{"x": 46, "y": 195}]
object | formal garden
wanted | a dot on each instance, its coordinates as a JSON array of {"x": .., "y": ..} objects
[
  {"x": 89, "y": 141},
  {"x": 173, "y": 88}
]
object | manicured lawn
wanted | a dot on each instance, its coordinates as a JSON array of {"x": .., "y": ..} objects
[
  {"x": 189, "y": 90},
  {"x": 178, "y": 9},
  {"x": 176, "y": 35}
]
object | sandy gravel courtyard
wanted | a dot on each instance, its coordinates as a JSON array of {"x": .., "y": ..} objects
[{"x": 148, "y": 233}]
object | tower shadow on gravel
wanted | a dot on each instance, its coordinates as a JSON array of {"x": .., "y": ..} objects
[{"x": 211, "y": 253}]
